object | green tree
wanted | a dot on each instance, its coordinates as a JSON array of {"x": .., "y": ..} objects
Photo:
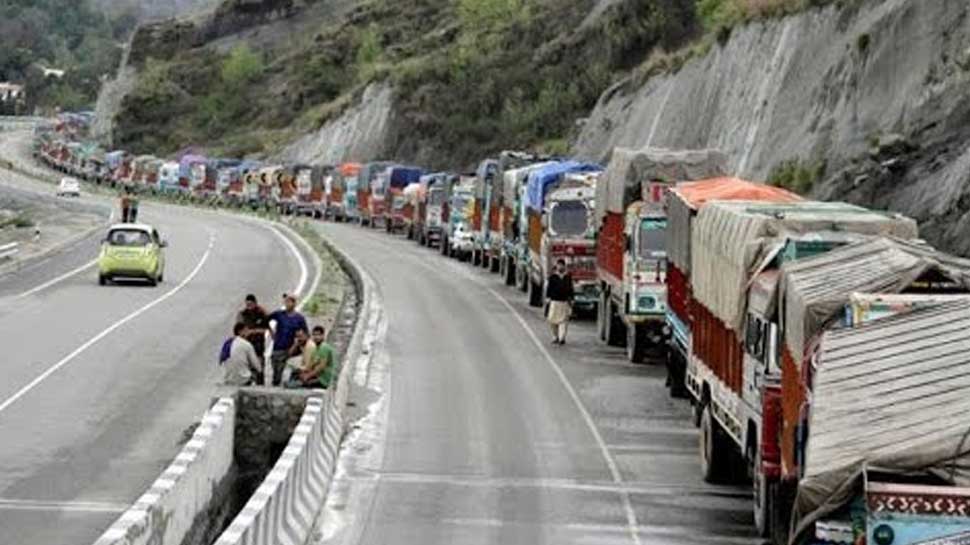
[{"x": 242, "y": 66}]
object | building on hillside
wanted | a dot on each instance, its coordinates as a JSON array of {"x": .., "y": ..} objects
[{"x": 11, "y": 92}]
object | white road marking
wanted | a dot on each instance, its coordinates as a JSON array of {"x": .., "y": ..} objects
[
  {"x": 11, "y": 504},
  {"x": 68, "y": 358},
  {"x": 59, "y": 279},
  {"x": 304, "y": 271},
  {"x": 654, "y": 531}
]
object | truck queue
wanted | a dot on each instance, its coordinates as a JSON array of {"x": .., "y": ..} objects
[{"x": 823, "y": 346}]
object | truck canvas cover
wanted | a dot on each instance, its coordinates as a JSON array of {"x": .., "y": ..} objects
[
  {"x": 891, "y": 396},
  {"x": 401, "y": 177},
  {"x": 627, "y": 169},
  {"x": 818, "y": 288},
  {"x": 514, "y": 178},
  {"x": 729, "y": 240},
  {"x": 687, "y": 198},
  {"x": 541, "y": 179}
]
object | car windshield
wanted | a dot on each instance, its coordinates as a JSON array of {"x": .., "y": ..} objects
[
  {"x": 128, "y": 237},
  {"x": 569, "y": 218},
  {"x": 653, "y": 236}
]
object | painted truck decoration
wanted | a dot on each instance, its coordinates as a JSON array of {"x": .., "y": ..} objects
[{"x": 822, "y": 345}]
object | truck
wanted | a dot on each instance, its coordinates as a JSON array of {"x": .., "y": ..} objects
[
  {"x": 682, "y": 204},
  {"x": 554, "y": 199},
  {"x": 189, "y": 176},
  {"x": 342, "y": 200},
  {"x": 631, "y": 256},
  {"x": 884, "y": 458},
  {"x": 433, "y": 208},
  {"x": 168, "y": 177},
  {"x": 367, "y": 202},
  {"x": 848, "y": 286},
  {"x": 396, "y": 179},
  {"x": 457, "y": 237},
  {"x": 738, "y": 250},
  {"x": 513, "y": 191},
  {"x": 310, "y": 182}
]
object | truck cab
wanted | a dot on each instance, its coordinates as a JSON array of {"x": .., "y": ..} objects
[{"x": 458, "y": 236}]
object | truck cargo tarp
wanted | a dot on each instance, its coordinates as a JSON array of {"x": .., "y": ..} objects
[
  {"x": 514, "y": 178},
  {"x": 729, "y": 239},
  {"x": 890, "y": 396},
  {"x": 627, "y": 169},
  {"x": 818, "y": 288},
  {"x": 541, "y": 179},
  {"x": 687, "y": 198},
  {"x": 404, "y": 176}
]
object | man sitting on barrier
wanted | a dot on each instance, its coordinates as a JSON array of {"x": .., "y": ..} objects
[
  {"x": 323, "y": 368},
  {"x": 242, "y": 364},
  {"x": 301, "y": 356}
]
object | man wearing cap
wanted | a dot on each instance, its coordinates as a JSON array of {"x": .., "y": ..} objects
[{"x": 288, "y": 321}]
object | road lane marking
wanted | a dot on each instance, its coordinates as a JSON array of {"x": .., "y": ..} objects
[
  {"x": 304, "y": 271},
  {"x": 59, "y": 279},
  {"x": 11, "y": 504},
  {"x": 68, "y": 358},
  {"x": 614, "y": 470},
  {"x": 669, "y": 532}
]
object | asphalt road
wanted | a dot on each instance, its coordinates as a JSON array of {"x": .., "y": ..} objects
[
  {"x": 99, "y": 383},
  {"x": 486, "y": 433}
]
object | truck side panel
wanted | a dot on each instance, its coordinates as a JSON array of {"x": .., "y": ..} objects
[
  {"x": 792, "y": 400},
  {"x": 718, "y": 347},
  {"x": 679, "y": 295},
  {"x": 535, "y": 231},
  {"x": 610, "y": 246}
]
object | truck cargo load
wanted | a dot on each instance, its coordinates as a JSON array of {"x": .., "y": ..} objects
[
  {"x": 730, "y": 239},
  {"x": 628, "y": 169},
  {"x": 891, "y": 399},
  {"x": 542, "y": 179}
]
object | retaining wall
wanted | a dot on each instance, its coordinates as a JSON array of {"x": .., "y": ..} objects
[{"x": 177, "y": 508}]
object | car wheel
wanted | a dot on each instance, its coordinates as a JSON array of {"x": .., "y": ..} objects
[{"x": 102, "y": 280}]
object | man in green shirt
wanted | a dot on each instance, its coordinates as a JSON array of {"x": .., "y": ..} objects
[{"x": 324, "y": 367}]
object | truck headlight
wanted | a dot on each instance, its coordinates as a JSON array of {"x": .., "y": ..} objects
[{"x": 647, "y": 302}]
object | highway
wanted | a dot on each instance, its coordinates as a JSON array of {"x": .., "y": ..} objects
[
  {"x": 488, "y": 433},
  {"x": 99, "y": 383}
]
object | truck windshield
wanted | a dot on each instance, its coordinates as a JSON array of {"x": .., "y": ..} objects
[
  {"x": 652, "y": 241},
  {"x": 436, "y": 198},
  {"x": 569, "y": 218}
]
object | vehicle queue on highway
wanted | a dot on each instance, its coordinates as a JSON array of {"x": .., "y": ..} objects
[{"x": 822, "y": 345}]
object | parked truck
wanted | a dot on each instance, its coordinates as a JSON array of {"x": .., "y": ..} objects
[
  {"x": 367, "y": 203},
  {"x": 737, "y": 252},
  {"x": 310, "y": 182},
  {"x": 512, "y": 257},
  {"x": 551, "y": 203},
  {"x": 631, "y": 256},
  {"x": 396, "y": 179},
  {"x": 682, "y": 204},
  {"x": 433, "y": 208},
  {"x": 457, "y": 235},
  {"x": 342, "y": 200}
]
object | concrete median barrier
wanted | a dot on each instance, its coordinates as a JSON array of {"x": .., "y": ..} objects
[{"x": 176, "y": 509}]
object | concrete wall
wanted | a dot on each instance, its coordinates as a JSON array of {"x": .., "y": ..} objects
[{"x": 199, "y": 478}]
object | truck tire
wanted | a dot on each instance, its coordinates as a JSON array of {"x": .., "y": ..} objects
[
  {"x": 636, "y": 343},
  {"x": 476, "y": 258},
  {"x": 443, "y": 245},
  {"x": 509, "y": 272},
  {"x": 601, "y": 315},
  {"x": 535, "y": 294},
  {"x": 615, "y": 328},
  {"x": 522, "y": 279},
  {"x": 496, "y": 265},
  {"x": 763, "y": 495},
  {"x": 715, "y": 448},
  {"x": 676, "y": 368}
]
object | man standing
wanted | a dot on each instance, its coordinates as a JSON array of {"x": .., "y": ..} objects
[
  {"x": 560, "y": 291},
  {"x": 133, "y": 208},
  {"x": 242, "y": 363},
  {"x": 288, "y": 322},
  {"x": 256, "y": 320},
  {"x": 125, "y": 202}
]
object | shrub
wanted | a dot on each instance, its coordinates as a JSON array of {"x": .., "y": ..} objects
[{"x": 797, "y": 176}]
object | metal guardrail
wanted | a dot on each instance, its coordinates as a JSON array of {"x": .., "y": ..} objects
[{"x": 9, "y": 250}]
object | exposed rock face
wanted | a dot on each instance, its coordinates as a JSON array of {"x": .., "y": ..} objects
[
  {"x": 828, "y": 84},
  {"x": 364, "y": 130}
]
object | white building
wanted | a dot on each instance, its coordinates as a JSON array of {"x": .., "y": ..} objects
[{"x": 11, "y": 92}]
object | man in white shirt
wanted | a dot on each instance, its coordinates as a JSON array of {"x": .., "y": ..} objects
[{"x": 243, "y": 363}]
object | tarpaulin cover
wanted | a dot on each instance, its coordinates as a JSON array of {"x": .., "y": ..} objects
[
  {"x": 620, "y": 185},
  {"x": 114, "y": 158},
  {"x": 730, "y": 238},
  {"x": 892, "y": 396},
  {"x": 816, "y": 289},
  {"x": 541, "y": 179},
  {"x": 186, "y": 162},
  {"x": 487, "y": 170},
  {"x": 401, "y": 177},
  {"x": 687, "y": 198},
  {"x": 513, "y": 179}
]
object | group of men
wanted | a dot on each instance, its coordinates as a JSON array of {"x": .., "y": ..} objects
[
  {"x": 299, "y": 358},
  {"x": 129, "y": 206}
]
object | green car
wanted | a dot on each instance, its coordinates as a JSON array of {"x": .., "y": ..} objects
[{"x": 132, "y": 251}]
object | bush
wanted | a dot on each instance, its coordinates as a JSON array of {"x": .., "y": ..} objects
[{"x": 797, "y": 176}]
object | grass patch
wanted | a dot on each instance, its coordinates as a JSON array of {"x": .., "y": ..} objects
[
  {"x": 18, "y": 221},
  {"x": 798, "y": 176}
]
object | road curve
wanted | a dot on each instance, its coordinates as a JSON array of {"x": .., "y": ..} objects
[
  {"x": 494, "y": 435},
  {"x": 99, "y": 383}
]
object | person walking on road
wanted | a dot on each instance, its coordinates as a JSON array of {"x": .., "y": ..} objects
[
  {"x": 133, "y": 207},
  {"x": 256, "y": 319},
  {"x": 560, "y": 292},
  {"x": 125, "y": 202},
  {"x": 288, "y": 321},
  {"x": 242, "y": 364}
]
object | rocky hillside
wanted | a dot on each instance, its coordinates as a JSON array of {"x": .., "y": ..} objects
[
  {"x": 435, "y": 81},
  {"x": 866, "y": 101}
]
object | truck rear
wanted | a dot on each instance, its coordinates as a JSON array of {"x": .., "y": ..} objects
[
  {"x": 631, "y": 259},
  {"x": 436, "y": 209},
  {"x": 397, "y": 209},
  {"x": 512, "y": 266},
  {"x": 458, "y": 237},
  {"x": 367, "y": 201},
  {"x": 343, "y": 193}
]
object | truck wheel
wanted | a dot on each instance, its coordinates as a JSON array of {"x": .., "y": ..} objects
[
  {"x": 676, "y": 368},
  {"x": 715, "y": 448},
  {"x": 601, "y": 315},
  {"x": 443, "y": 246},
  {"x": 509, "y": 272},
  {"x": 763, "y": 493},
  {"x": 615, "y": 328},
  {"x": 636, "y": 343},
  {"x": 496, "y": 265},
  {"x": 535, "y": 294}
]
